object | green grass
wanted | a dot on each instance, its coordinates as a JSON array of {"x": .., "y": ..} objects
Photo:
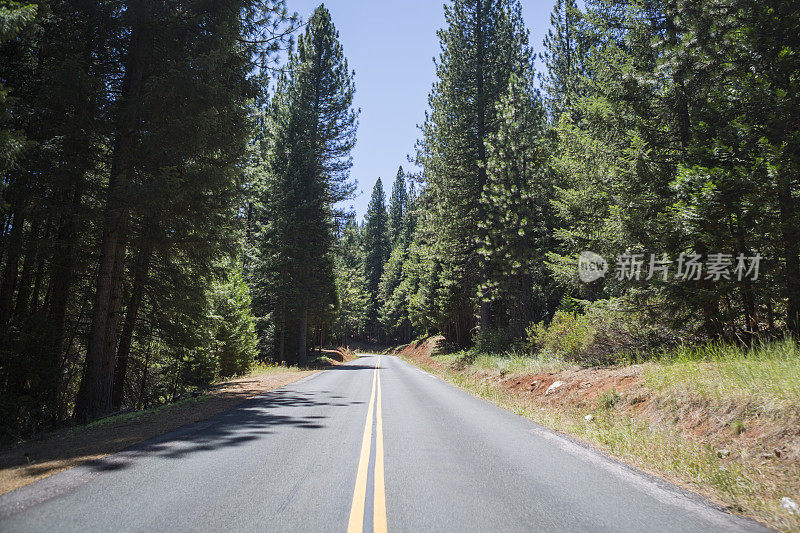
[
  {"x": 260, "y": 369},
  {"x": 608, "y": 399},
  {"x": 768, "y": 373},
  {"x": 508, "y": 363}
]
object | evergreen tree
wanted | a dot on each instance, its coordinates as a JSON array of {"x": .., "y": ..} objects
[
  {"x": 398, "y": 207},
  {"x": 562, "y": 57},
  {"x": 483, "y": 43},
  {"x": 307, "y": 174},
  {"x": 350, "y": 283},
  {"x": 233, "y": 324},
  {"x": 516, "y": 203},
  {"x": 14, "y": 19},
  {"x": 376, "y": 251},
  {"x": 153, "y": 176}
]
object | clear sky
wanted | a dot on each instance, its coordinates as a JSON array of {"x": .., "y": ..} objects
[{"x": 391, "y": 45}]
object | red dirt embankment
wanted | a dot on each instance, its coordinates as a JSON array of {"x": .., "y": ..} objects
[{"x": 730, "y": 427}]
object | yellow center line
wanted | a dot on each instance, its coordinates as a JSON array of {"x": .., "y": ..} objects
[
  {"x": 356, "y": 523},
  {"x": 379, "y": 501}
]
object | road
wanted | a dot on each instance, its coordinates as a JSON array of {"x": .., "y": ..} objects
[{"x": 375, "y": 444}]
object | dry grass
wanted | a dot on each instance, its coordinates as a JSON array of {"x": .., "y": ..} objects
[{"x": 24, "y": 463}]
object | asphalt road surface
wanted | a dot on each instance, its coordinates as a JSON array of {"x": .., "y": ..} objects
[{"x": 372, "y": 445}]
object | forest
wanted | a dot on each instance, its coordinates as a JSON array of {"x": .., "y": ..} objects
[{"x": 173, "y": 176}]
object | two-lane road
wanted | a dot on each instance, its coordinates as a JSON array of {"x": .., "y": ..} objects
[{"x": 372, "y": 444}]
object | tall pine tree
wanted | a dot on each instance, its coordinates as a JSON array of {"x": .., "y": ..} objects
[
  {"x": 314, "y": 127},
  {"x": 483, "y": 43},
  {"x": 376, "y": 251}
]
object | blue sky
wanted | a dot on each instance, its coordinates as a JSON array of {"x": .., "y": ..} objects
[{"x": 391, "y": 45}]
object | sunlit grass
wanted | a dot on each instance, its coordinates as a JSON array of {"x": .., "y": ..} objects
[
  {"x": 768, "y": 372},
  {"x": 508, "y": 363},
  {"x": 260, "y": 369}
]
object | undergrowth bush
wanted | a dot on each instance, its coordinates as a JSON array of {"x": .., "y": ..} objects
[
  {"x": 603, "y": 332},
  {"x": 567, "y": 336},
  {"x": 491, "y": 341}
]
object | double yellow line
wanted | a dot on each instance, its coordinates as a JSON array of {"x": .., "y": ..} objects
[{"x": 356, "y": 524}]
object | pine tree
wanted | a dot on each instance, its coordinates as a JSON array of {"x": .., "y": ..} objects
[
  {"x": 376, "y": 251},
  {"x": 562, "y": 56},
  {"x": 483, "y": 43},
  {"x": 398, "y": 207},
  {"x": 14, "y": 19},
  {"x": 168, "y": 190},
  {"x": 350, "y": 283},
  {"x": 314, "y": 129},
  {"x": 516, "y": 203}
]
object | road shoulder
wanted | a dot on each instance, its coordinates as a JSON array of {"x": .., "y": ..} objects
[
  {"x": 25, "y": 463},
  {"x": 657, "y": 450}
]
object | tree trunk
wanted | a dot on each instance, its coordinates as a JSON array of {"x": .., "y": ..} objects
[
  {"x": 142, "y": 403},
  {"x": 94, "y": 395},
  {"x": 141, "y": 274},
  {"x": 302, "y": 353},
  {"x": 42, "y": 255},
  {"x": 791, "y": 245},
  {"x": 12, "y": 269},
  {"x": 746, "y": 288},
  {"x": 63, "y": 266},
  {"x": 481, "y": 132},
  {"x": 31, "y": 254},
  {"x": 282, "y": 344}
]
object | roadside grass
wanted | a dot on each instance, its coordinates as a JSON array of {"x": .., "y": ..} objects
[
  {"x": 507, "y": 363},
  {"x": 735, "y": 386},
  {"x": 768, "y": 373},
  {"x": 260, "y": 369}
]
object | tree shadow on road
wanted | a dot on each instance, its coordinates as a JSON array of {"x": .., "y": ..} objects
[
  {"x": 224, "y": 417},
  {"x": 249, "y": 421}
]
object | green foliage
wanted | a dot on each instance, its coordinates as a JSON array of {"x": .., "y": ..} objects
[
  {"x": 233, "y": 324},
  {"x": 123, "y": 127},
  {"x": 566, "y": 337},
  {"x": 399, "y": 205},
  {"x": 482, "y": 44},
  {"x": 376, "y": 250},
  {"x": 491, "y": 342},
  {"x": 608, "y": 399},
  {"x": 310, "y": 132},
  {"x": 350, "y": 283},
  {"x": 563, "y": 57},
  {"x": 518, "y": 218}
]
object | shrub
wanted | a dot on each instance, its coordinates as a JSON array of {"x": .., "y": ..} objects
[
  {"x": 491, "y": 341},
  {"x": 567, "y": 336},
  {"x": 608, "y": 399},
  {"x": 605, "y": 332}
]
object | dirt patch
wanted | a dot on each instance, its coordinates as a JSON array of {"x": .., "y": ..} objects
[
  {"x": 22, "y": 464},
  {"x": 420, "y": 351},
  {"x": 342, "y": 354},
  {"x": 334, "y": 355}
]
